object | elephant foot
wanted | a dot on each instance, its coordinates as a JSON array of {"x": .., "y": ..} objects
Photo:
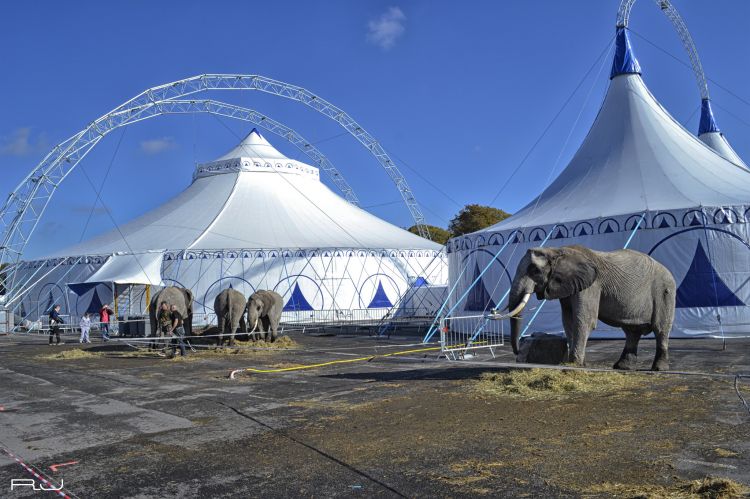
[
  {"x": 660, "y": 365},
  {"x": 625, "y": 364}
]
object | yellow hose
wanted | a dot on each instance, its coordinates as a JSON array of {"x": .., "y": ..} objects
[{"x": 332, "y": 362}]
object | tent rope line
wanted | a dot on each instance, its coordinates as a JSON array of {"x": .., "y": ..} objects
[{"x": 554, "y": 118}]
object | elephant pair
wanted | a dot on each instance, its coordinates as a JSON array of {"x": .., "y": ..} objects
[
  {"x": 262, "y": 308},
  {"x": 623, "y": 288}
]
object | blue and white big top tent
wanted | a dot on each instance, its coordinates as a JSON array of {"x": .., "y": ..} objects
[
  {"x": 637, "y": 168},
  {"x": 251, "y": 219}
]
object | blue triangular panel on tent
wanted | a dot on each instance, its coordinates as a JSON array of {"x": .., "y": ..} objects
[
  {"x": 380, "y": 300},
  {"x": 297, "y": 301},
  {"x": 664, "y": 224},
  {"x": 479, "y": 299},
  {"x": 96, "y": 303},
  {"x": 516, "y": 240},
  {"x": 695, "y": 221},
  {"x": 230, "y": 286},
  {"x": 582, "y": 232},
  {"x": 703, "y": 287},
  {"x": 419, "y": 282},
  {"x": 559, "y": 234},
  {"x": 537, "y": 237},
  {"x": 608, "y": 230}
]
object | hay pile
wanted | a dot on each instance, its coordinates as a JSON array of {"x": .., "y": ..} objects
[
  {"x": 73, "y": 354},
  {"x": 707, "y": 488},
  {"x": 551, "y": 383}
]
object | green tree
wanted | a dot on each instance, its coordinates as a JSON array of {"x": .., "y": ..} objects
[
  {"x": 474, "y": 217},
  {"x": 437, "y": 234}
]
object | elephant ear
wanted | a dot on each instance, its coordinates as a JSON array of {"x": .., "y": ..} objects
[{"x": 572, "y": 272}]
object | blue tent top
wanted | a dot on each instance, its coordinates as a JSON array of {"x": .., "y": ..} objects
[
  {"x": 625, "y": 61},
  {"x": 708, "y": 122}
]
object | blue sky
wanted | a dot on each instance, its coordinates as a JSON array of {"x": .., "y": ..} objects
[{"x": 457, "y": 93}]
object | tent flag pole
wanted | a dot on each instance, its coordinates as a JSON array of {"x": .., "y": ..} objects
[
  {"x": 432, "y": 329},
  {"x": 627, "y": 243}
]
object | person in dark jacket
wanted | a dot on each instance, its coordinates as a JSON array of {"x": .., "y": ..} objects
[
  {"x": 54, "y": 324},
  {"x": 178, "y": 332}
]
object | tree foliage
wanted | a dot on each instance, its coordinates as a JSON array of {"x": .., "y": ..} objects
[
  {"x": 474, "y": 217},
  {"x": 437, "y": 234}
]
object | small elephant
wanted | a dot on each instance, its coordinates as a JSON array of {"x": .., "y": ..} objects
[
  {"x": 623, "y": 288},
  {"x": 265, "y": 307},
  {"x": 229, "y": 306},
  {"x": 182, "y": 298}
]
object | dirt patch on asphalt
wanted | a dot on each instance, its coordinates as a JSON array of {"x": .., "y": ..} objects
[
  {"x": 550, "y": 383},
  {"x": 597, "y": 435}
]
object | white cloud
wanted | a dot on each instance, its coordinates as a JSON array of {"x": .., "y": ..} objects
[
  {"x": 156, "y": 146},
  {"x": 19, "y": 143},
  {"x": 386, "y": 29}
]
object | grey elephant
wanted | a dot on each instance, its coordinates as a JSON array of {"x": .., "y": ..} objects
[
  {"x": 623, "y": 288},
  {"x": 229, "y": 306},
  {"x": 182, "y": 298},
  {"x": 264, "y": 308}
]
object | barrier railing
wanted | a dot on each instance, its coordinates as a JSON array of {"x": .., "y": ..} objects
[{"x": 460, "y": 334}]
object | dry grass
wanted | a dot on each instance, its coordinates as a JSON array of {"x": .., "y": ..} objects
[
  {"x": 725, "y": 452},
  {"x": 73, "y": 354},
  {"x": 551, "y": 383},
  {"x": 707, "y": 488}
]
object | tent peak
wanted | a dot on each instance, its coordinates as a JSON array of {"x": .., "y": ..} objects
[
  {"x": 625, "y": 61},
  {"x": 708, "y": 122}
]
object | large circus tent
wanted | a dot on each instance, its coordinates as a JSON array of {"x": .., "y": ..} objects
[
  {"x": 251, "y": 219},
  {"x": 639, "y": 179}
]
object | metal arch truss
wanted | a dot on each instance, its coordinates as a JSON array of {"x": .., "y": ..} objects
[
  {"x": 25, "y": 206},
  {"x": 623, "y": 18},
  {"x": 211, "y": 106}
]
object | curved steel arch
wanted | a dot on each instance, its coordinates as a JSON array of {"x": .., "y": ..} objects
[
  {"x": 24, "y": 206},
  {"x": 222, "y": 109},
  {"x": 211, "y": 106},
  {"x": 623, "y": 18}
]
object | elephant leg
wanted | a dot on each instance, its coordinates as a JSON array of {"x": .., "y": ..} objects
[
  {"x": 584, "y": 311},
  {"x": 629, "y": 357},
  {"x": 220, "y": 339},
  {"x": 661, "y": 359},
  {"x": 274, "y": 326},
  {"x": 235, "y": 324},
  {"x": 662, "y": 326},
  {"x": 267, "y": 328}
]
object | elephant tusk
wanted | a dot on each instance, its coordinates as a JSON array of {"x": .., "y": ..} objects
[
  {"x": 516, "y": 310},
  {"x": 254, "y": 326}
]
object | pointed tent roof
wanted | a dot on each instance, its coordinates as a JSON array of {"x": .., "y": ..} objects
[
  {"x": 710, "y": 135},
  {"x": 636, "y": 157},
  {"x": 253, "y": 197}
]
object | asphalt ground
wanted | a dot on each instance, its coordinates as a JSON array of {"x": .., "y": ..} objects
[{"x": 399, "y": 426}]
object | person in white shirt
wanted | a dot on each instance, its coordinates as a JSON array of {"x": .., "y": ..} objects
[{"x": 85, "y": 328}]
